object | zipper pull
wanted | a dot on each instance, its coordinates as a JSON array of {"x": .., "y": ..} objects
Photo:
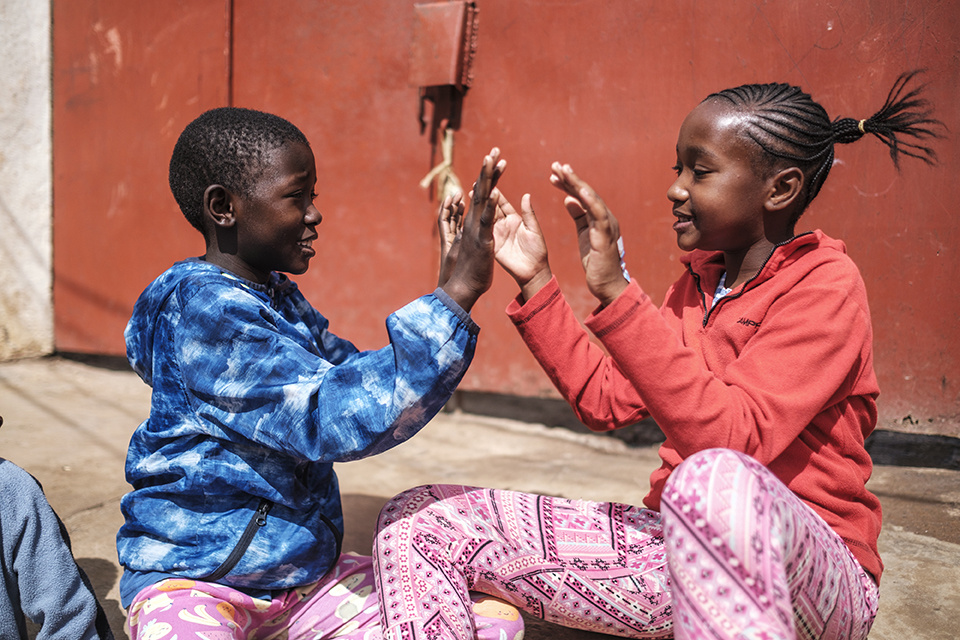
[{"x": 262, "y": 512}]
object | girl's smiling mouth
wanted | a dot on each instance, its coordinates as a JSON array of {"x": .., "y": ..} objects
[{"x": 683, "y": 221}]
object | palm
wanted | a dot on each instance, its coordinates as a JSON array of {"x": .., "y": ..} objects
[{"x": 518, "y": 249}]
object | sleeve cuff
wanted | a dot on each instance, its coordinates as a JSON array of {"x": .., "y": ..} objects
[
  {"x": 521, "y": 312},
  {"x": 457, "y": 310},
  {"x": 606, "y": 319}
]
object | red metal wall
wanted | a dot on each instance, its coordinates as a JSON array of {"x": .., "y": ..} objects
[{"x": 602, "y": 84}]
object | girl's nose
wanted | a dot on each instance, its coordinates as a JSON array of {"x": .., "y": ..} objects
[{"x": 677, "y": 192}]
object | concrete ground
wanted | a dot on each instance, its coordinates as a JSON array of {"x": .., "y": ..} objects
[{"x": 68, "y": 424}]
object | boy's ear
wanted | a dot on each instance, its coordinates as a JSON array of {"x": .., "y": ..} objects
[
  {"x": 785, "y": 188},
  {"x": 218, "y": 205}
]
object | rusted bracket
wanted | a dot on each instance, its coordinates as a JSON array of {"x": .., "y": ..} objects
[{"x": 442, "y": 52}]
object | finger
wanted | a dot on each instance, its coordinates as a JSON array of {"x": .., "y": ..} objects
[
  {"x": 457, "y": 206},
  {"x": 602, "y": 223},
  {"x": 444, "y": 215},
  {"x": 560, "y": 178},
  {"x": 485, "y": 183},
  {"x": 577, "y": 212},
  {"x": 505, "y": 205},
  {"x": 595, "y": 208},
  {"x": 444, "y": 211},
  {"x": 489, "y": 213},
  {"x": 526, "y": 212},
  {"x": 498, "y": 170}
]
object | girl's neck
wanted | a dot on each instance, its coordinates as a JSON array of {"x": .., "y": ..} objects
[{"x": 741, "y": 266}]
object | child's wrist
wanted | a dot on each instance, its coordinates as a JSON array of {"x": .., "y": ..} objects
[
  {"x": 532, "y": 286},
  {"x": 460, "y": 293},
  {"x": 607, "y": 294}
]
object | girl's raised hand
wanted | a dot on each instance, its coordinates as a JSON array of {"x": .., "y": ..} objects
[
  {"x": 520, "y": 248},
  {"x": 597, "y": 234},
  {"x": 469, "y": 258}
]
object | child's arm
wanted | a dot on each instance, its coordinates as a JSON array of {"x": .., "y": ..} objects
[
  {"x": 601, "y": 397},
  {"x": 473, "y": 247},
  {"x": 53, "y": 591}
]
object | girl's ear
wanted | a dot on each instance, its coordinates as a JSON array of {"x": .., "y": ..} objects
[
  {"x": 218, "y": 206},
  {"x": 785, "y": 188}
]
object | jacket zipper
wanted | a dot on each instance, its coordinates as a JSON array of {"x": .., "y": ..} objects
[
  {"x": 258, "y": 520},
  {"x": 703, "y": 300},
  {"x": 336, "y": 536}
]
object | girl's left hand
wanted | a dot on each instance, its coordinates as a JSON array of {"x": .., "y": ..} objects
[{"x": 597, "y": 234}]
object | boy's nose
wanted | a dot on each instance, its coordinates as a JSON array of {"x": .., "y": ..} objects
[{"x": 313, "y": 215}]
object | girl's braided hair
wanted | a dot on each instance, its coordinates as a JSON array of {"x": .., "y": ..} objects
[{"x": 792, "y": 129}]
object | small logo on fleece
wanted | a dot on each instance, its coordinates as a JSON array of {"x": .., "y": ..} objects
[{"x": 749, "y": 323}]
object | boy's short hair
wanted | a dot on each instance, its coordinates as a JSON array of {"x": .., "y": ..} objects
[{"x": 224, "y": 146}]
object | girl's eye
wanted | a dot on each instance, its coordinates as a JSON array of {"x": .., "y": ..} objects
[
  {"x": 313, "y": 196},
  {"x": 677, "y": 169}
]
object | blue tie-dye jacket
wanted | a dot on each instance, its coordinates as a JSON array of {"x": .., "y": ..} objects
[{"x": 254, "y": 398}]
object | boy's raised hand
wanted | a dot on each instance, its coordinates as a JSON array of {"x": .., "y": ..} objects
[
  {"x": 469, "y": 258},
  {"x": 597, "y": 234},
  {"x": 449, "y": 221},
  {"x": 520, "y": 247}
]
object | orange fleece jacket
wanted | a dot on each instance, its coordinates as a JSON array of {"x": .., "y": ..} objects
[{"x": 781, "y": 369}]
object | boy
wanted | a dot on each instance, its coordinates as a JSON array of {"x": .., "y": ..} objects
[
  {"x": 234, "y": 522},
  {"x": 41, "y": 580}
]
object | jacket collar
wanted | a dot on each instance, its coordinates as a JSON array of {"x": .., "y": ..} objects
[{"x": 709, "y": 265}]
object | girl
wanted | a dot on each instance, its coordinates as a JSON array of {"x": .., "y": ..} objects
[{"x": 758, "y": 368}]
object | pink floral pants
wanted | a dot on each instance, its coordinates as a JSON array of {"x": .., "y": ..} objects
[
  {"x": 343, "y": 605},
  {"x": 735, "y": 555}
]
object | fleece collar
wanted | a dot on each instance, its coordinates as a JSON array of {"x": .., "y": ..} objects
[{"x": 709, "y": 265}]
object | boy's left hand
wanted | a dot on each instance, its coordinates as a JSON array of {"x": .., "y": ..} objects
[
  {"x": 598, "y": 233},
  {"x": 449, "y": 221}
]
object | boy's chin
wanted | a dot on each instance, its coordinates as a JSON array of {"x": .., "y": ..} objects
[{"x": 297, "y": 270}]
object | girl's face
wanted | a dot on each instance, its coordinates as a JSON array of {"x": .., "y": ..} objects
[
  {"x": 718, "y": 199},
  {"x": 276, "y": 225}
]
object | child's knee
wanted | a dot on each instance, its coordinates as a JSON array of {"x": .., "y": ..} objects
[
  {"x": 403, "y": 505},
  {"x": 703, "y": 462},
  {"x": 694, "y": 479}
]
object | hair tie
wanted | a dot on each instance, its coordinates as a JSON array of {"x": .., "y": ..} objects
[{"x": 860, "y": 126}]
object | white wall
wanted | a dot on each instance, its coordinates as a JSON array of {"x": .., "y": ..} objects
[{"x": 26, "y": 202}]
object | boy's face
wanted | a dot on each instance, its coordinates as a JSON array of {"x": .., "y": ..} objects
[
  {"x": 717, "y": 196},
  {"x": 276, "y": 224}
]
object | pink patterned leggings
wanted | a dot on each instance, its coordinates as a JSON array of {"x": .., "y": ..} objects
[{"x": 735, "y": 555}]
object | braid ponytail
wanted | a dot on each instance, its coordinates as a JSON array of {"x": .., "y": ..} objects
[
  {"x": 791, "y": 128},
  {"x": 902, "y": 114}
]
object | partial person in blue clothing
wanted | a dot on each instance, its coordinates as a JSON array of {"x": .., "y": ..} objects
[
  {"x": 40, "y": 578},
  {"x": 233, "y": 528}
]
